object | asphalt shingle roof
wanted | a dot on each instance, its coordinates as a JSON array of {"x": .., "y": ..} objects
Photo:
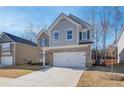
[
  {"x": 78, "y": 20},
  {"x": 20, "y": 40}
]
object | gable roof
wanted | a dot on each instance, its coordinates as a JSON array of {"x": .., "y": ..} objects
[
  {"x": 20, "y": 40},
  {"x": 73, "y": 19},
  {"x": 41, "y": 32},
  {"x": 62, "y": 15}
]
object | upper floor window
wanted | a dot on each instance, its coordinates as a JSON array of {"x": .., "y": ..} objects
[
  {"x": 84, "y": 35},
  {"x": 5, "y": 47},
  {"x": 56, "y": 36},
  {"x": 69, "y": 35},
  {"x": 43, "y": 42}
]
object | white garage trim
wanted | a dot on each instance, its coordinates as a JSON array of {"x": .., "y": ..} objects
[
  {"x": 65, "y": 46},
  {"x": 7, "y": 60},
  {"x": 69, "y": 59}
]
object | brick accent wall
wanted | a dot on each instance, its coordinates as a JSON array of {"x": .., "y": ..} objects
[{"x": 87, "y": 50}]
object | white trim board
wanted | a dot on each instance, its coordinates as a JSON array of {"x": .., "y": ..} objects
[{"x": 67, "y": 46}]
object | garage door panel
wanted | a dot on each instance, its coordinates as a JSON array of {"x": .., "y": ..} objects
[
  {"x": 7, "y": 60},
  {"x": 69, "y": 59}
]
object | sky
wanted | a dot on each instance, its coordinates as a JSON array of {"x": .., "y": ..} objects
[{"x": 16, "y": 20}]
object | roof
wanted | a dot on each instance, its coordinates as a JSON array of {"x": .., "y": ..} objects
[
  {"x": 78, "y": 20},
  {"x": 41, "y": 32},
  {"x": 74, "y": 19},
  {"x": 20, "y": 40}
]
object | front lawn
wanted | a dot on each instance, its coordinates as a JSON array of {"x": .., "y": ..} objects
[
  {"x": 13, "y": 73},
  {"x": 17, "y": 71},
  {"x": 117, "y": 68},
  {"x": 101, "y": 76}
]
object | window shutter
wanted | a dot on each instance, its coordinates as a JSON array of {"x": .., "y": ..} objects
[
  {"x": 80, "y": 36},
  {"x": 88, "y": 34}
]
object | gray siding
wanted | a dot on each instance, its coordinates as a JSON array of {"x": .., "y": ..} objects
[
  {"x": 62, "y": 26},
  {"x": 5, "y": 39}
]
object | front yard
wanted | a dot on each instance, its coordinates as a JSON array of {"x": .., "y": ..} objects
[
  {"x": 101, "y": 76},
  {"x": 17, "y": 71}
]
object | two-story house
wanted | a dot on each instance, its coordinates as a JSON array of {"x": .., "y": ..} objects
[
  {"x": 66, "y": 43},
  {"x": 16, "y": 50},
  {"x": 120, "y": 47}
]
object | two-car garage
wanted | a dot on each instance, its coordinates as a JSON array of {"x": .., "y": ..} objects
[{"x": 69, "y": 59}]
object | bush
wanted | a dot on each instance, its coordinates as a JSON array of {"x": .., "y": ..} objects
[
  {"x": 36, "y": 64},
  {"x": 29, "y": 62}
]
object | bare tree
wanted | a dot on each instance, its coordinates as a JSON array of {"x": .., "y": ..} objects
[
  {"x": 30, "y": 33},
  {"x": 93, "y": 13},
  {"x": 98, "y": 30},
  {"x": 105, "y": 23},
  {"x": 93, "y": 18},
  {"x": 117, "y": 18}
]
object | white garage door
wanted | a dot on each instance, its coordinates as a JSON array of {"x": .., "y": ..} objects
[
  {"x": 69, "y": 59},
  {"x": 7, "y": 60}
]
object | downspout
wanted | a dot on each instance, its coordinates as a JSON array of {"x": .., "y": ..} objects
[{"x": 14, "y": 54}]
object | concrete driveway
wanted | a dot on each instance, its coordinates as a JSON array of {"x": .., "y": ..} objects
[{"x": 48, "y": 77}]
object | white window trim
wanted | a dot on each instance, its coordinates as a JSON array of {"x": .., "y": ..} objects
[
  {"x": 66, "y": 34},
  {"x": 85, "y": 30},
  {"x": 58, "y": 36},
  {"x": 6, "y": 47}
]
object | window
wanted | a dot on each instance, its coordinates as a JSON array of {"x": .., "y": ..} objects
[
  {"x": 69, "y": 35},
  {"x": 84, "y": 35},
  {"x": 43, "y": 42},
  {"x": 56, "y": 36},
  {"x": 5, "y": 47}
]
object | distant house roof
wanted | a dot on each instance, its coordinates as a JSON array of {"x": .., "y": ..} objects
[{"x": 20, "y": 40}]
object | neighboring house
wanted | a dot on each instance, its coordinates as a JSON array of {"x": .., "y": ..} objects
[
  {"x": 66, "y": 43},
  {"x": 120, "y": 46},
  {"x": 111, "y": 50},
  {"x": 16, "y": 50}
]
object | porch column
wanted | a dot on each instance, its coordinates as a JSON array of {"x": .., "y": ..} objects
[{"x": 44, "y": 57}]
